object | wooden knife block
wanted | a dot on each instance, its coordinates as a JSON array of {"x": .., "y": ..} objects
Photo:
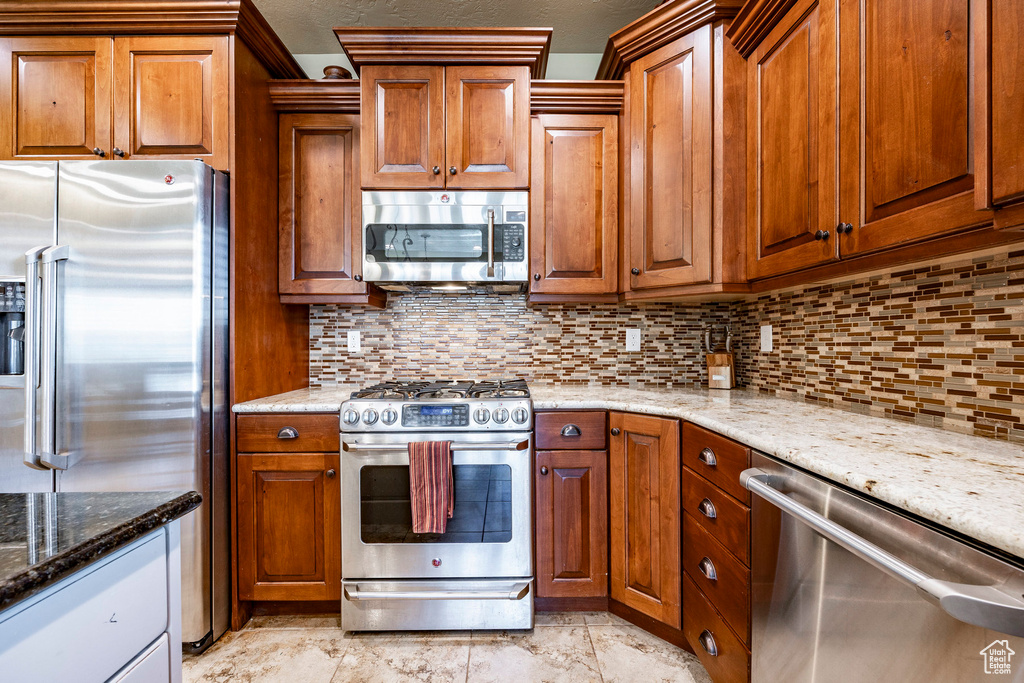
[{"x": 720, "y": 370}]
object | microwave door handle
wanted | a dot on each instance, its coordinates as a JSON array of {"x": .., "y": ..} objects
[
  {"x": 31, "y": 345},
  {"x": 490, "y": 243}
]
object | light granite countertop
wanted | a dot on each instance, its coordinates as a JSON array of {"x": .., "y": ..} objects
[{"x": 969, "y": 484}]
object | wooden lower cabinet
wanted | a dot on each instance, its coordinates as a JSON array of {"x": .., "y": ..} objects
[
  {"x": 707, "y": 633},
  {"x": 289, "y": 526},
  {"x": 572, "y": 524},
  {"x": 645, "y": 517}
]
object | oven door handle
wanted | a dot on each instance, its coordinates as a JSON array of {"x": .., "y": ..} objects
[
  {"x": 984, "y": 606},
  {"x": 518, "y": 592},
  {"x": 456, "y": 446}
]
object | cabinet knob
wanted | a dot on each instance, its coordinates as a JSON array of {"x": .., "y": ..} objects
[
  {"x": 707, "y": 508},
  {"x": 635, "y": 271},
  {"x": 536, "y": 276},
  {"x": 543, "y": 470},
  {"x": 707, "y": 568},
  {"x": 615, "y": 431},
  {"x": 437, "y": 170},
  {"x": 707, "y": 456},
  {"x": 357, "y": 278},
  {"x": 330, "y": 474},
  {"x": 821, "y": 235},
  {"x": 707, "y": 641},
  {"x": 844, "y": 228},
  {"x": 288, "y": 433},
  {"x": 118, "y": 152},
  {"x": 571, "y": 430},
  {"x": 453, "y": 170},
  {"x": 98, "y": 152}
]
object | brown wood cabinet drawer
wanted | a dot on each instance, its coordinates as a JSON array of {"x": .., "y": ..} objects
[
  {"x": 554, "y": 430},
  {"x": 314, "y": 432},
  {"x": 701, "y": 447},
  {"x": 731, "y": 663},
  {"x": 729, "y": 589},
  {"x": 730, "y": 524}
]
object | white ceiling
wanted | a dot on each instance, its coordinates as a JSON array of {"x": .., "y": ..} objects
[{"x": 579, "y": 25}]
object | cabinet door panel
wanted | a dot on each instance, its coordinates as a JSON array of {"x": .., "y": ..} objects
[
  {"x": 574, "y": 208},
  {"x": 645, "y": 524},
  {"x": 671, "y": 194},
  {"x": 289, "y": 527},
  {"x": 55, "y": 97},
  {"x": 320, "y": 227},
  {"x": 172, "y": 97},
  {"x": 403, "y": 126},
  {"x": 572, "y": 524},
  {"x": 792, "y": 132},
  {"x": 487, "y": 114}
]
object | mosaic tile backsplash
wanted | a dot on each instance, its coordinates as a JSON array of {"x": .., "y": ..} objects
[{"x": 941, "y": 345}]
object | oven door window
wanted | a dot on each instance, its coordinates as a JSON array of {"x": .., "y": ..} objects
[
  {"x": 482, "y": 510},
  {"x": 423, "y": 243}
]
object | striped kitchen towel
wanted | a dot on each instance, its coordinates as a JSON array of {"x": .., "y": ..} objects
[{"x": 431, "y": 486}]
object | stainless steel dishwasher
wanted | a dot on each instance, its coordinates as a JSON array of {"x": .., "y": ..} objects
[{"x": 844, "y": 589}]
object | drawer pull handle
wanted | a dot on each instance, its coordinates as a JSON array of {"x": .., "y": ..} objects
[
  {"x": 571, "y": 430},
  {"x": 707, "y": 641},
  {"x": 707, "y": 456},
  {"x": 707, "y": 568},
  {"x": 288, "y": 433},
  {"x": 707, "y": 508}
]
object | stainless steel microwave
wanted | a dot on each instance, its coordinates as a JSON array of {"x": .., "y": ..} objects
[{"x": 439, "y": 236}]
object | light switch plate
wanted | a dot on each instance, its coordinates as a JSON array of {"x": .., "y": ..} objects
[
  {"x": 353, "y": 341},
  {"x": 632, "y": 338},
  {"x": 766, "y": 338}
]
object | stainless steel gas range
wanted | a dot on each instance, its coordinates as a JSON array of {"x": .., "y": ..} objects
[{"x": 479, "y": 573}]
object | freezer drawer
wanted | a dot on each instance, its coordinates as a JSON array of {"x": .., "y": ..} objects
[{"x": 844, "y": 589}]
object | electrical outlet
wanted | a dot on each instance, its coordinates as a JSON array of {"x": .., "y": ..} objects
[
  {"x": 632, "y": 338},
  {"x": 353, "y": 341},
  {"x": 766, "y": 338}
]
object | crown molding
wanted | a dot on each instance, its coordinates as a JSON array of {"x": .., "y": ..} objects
[
  {"x": 576, "y": 97},
  {"x": 151, "y": 17},
  {"x": 658, "y": 27},
  {"x": 453, "y": 46},
  {"x": 755, "y": 20},
  {"x": 325, "y": 95}
]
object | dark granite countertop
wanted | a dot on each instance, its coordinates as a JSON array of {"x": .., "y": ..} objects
[{"x": 44, "y": 537}]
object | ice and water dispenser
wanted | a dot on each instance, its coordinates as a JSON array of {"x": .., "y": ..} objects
[{"x": 12, "y": 327}]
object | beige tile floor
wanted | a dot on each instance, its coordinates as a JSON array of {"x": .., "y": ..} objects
[{"x": 564, "y": 647}]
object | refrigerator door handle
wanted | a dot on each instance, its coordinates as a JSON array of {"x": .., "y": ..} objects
[
  {"x": 31, "y": 340},
  {"x": 48, "y": 454}
]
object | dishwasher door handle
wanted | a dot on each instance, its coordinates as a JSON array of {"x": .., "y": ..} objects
[{"x": 984, "y": 606}]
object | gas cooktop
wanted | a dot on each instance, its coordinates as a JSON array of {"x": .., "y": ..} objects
[{"x": 412, "y": 391}]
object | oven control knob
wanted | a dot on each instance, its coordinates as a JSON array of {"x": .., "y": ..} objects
[
  {"x": 351, "y": 417},
  {"x": 519, "y": 415},
  {"x": 369, "y": 416},
  {"x": 501, "y": 416},
  {"x": 389, "y": 416},
  {"x": 481, "y": 415}
]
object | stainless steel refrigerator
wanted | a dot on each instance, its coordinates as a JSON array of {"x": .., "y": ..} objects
[{"x": 114, "y": 286}]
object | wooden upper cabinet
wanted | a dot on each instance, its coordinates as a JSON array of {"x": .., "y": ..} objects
[
  {"x": 792, "y": 135},
  {"x": 463, "y": 127},
  {"x": 171, "y": 97},
  {"x": 55, "y": 96},
  {"x": 403, "y": 127},
  {"x": 998, "y": 35},
  {"x": 671, "y": 164},
  {"x": 905, "y": 105},
  {"x": 572, "y": 524},
  {"x": 487, "y": 116},
  {"x": 574, "y": 204},
  {"x": 320, "y": 226},
  {"x": 646, "y": 561}
]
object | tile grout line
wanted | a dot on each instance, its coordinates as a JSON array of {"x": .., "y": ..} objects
[
  {"x": 469, "y": 655},
  {"x": 593, "y": 649}
]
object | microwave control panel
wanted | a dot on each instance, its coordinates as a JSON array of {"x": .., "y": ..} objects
[{"x": 513, "y": 244}]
